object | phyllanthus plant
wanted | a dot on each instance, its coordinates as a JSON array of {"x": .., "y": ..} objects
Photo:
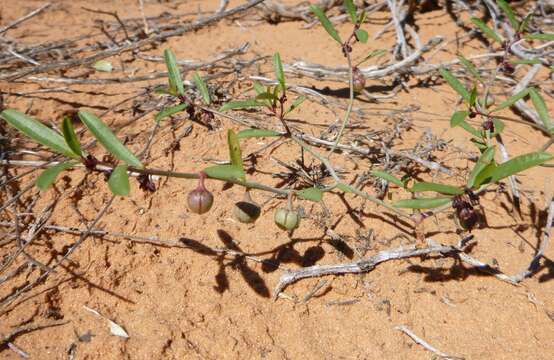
[{"x": 274, "y": 99}]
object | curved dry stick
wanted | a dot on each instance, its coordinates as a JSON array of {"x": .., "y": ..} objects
[
  {"x": 371, "y": 72},
  {"x": 368, "y": 264}
]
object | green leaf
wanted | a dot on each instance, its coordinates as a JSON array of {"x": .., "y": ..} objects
[
  {"x": 440, "y": 188},
  {"x": 70, "y": 136},
  {"x": 484, "y": 160},
  {"x": 362, "y": 36},
  {"x": 473, "y": 96},
  {"x": 540, "y": 106},
  {"x": 103, "y": 65},
  {"x": 512, "y": 100},
  {"x": 540, "y": 36},
  {"x": 241, "y": 104},
  {"x": 37, "y": 131},
  {"x": 480, "y": 144},
  {"x": 48, "y": 176},
  {"x": 344, "y": 187},
  {"x": 278, "y": 68},
  {"x": 486, "y": 30},
  {"x": 498, "y": 126},
  {"x": 386, "y": 176},
  {"x": 519, "y": 164},
  {"x": 119, "y": 181},
  {"x": 225, "y": 172},
  {"x": 107, "y": 138},
  {"x": 509, "y": 13},
  {"x": 372, "y": 54},
  {"x": 175, "y": 81},
  {"x": 326, "y": 23},
  {"x": 455, "y": 84},
  {"x": 351, "y": 9},
  {"x": 468, "y": 65},
  {"x": 523, "y": 25},
  {"x": 202, "y": 87},
  {"x": 421, "y": 203},
  {"x": 458, "y": 117},
  {"x": 525, "y": 61},
  {"x": 258, "y": 88},
  {"x": 172, "y": 110},
  {"x": 234, "y": 149},
  {"x": 295, "y": 104},
  {"x": 313, "y": 194},
  {"x": 268, "y": 95},
  {"x": 250, "y": 133}
]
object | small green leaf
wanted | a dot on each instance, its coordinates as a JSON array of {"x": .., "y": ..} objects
[
  {"x": 175, "y": 81},
  {"x": 327, "y": 25},
  {"x": 344, "y": 187},
  {"x": 480, "y": 144},
  {"x": 313, "y": 194},
  {"x": 523, "y": 25},
  {"x": 119, "y": 181},
  {"x": 386, "y": 176},
  {"x": 268, "y": 95},
  {"x": 70, "y": 136},
  {"x": 458, "y": 117},
  {"x": 362, "y": 36},
  {"x": 278, "y": 68},
  {"x": 351, "y": 9},
  {"x": 258, "y": 88},
  {"x": 440, "y": 188},
  {"x": 250, "y": 133},
  {"x": 540, "y": 36},
  {"x": 484, "y": 160},
  {"x": 372, "y": 54},
  {"x": 507, "y": 9},
  {"x": 225, "y": 172},
  {"x": 107, "y": 138},
  {"x": 525, "y": 61},
  {"x": 48, "y": 176},
  {"x": 37, "y": 131},
  {"x": 468, "y": 65},
  {"x": 202, "y": 87},
  {"x": 519, "y": 164},
  {"x": 103, "y": 65},
  {"x": 241, "y": 104},
  {"x": 455, "y": 83},
  {"x": 486, "y": 30},
  {"x": 421, "y": 203},
  {"x": 172, "y": 110},
  {"x": 540, "y": 106},
  {"x": 234, "y": 149},
  {"x": 498, "y": 126},
  {"x": 295, "y": 104},
  {"x": 473, "y": 96},
  {"x": 512, "y": 100}
]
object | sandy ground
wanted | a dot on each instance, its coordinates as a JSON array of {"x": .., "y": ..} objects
[{"x": 189, "y": 303}]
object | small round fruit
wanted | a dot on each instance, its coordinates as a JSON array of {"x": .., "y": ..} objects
[
  {"x": 200, "y": 200},
  {"x": 287, "y": 219},
  {"x": 247, "y": 211},
  {"x": 358, "y": 80}
]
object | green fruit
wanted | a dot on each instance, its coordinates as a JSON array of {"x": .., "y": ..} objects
[
  {"x": 287, "y": 219},
  {"x": 247, "y": 211}
]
